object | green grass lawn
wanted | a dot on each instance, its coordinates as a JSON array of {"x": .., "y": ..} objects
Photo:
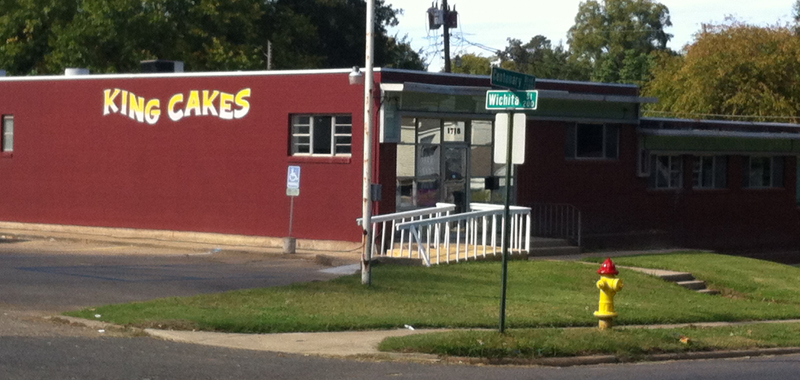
[
  {"x": 734, "y": 276},
  {"x": 624, "y": 343},
  {"x": 540, "y": 294}
]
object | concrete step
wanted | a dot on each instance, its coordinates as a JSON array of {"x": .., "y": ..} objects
[
  {"x": 554, "y": 251},
  {"x": 685, "y": 279},
  {"x": 677, "y": 276},
  {"x": 694, "y": 284}
]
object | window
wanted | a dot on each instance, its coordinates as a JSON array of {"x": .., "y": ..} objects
[
  {"x": 666, "y": 172},
  {"x": 710, "y": 172},
  {"x": 8, "y": 134},
  {"x": 598, "y": 141},
  {"x": 322, "y": 135},
  {"x": 763, "y": 172}
]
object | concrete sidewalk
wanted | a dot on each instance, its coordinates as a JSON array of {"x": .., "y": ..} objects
[{"x": 364, "y": 344}]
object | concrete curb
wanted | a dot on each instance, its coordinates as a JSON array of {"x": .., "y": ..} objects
[
  {"x": 613, "y": 359},
  {"x": 363, "y": 345}
]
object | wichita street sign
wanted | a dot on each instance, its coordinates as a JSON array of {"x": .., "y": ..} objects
[
  {"x": 512, "y": 79},
  {"x": 517, "y": 100}
]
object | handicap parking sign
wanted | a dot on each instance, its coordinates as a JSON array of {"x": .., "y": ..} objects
[{"x": 293, "y": 181}]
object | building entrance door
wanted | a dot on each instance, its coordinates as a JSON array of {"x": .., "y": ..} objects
[{"x": 455, "y": 177}]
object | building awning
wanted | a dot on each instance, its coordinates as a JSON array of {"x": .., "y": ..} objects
[
  {"x": 693, "y": 136},
  {"x": 719, "y": 142},
  {"x": 481, "y": 91}
]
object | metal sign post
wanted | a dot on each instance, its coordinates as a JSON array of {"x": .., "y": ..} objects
[
  {"x": 505, "y": 100},
  {"x": 506, "y": 225},
  {"x": 292, "y": 190}
]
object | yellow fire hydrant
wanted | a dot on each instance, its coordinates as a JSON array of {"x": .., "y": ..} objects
[{"x": 609, "y": 285}]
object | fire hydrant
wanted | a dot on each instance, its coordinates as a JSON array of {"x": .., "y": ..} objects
[{"x": 609, "y": 285}]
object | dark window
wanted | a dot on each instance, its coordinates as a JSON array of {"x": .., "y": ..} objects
[
  {"x": 666, "y": 172},
  {"x": 763, "y": 172},
  {"x": 710, "y": 172},
  {"x": 597, "y": 141}
]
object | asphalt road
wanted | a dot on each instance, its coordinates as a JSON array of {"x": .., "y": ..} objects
[
  {"x": 52, "y": 276},
  {"x": 40, "y": 278}
]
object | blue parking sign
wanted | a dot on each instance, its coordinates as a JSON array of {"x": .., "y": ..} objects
[{"x": 293, "y": 181}]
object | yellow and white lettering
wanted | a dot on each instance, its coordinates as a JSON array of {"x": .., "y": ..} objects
[
  {"x": 108, "y": 103},
  {"x": 137, "y": 108},
  {"x": 153, "y": 111},
  {"x": 173, "y": 114},
  {"x": 208, "y": 103},
  {"x": 225, "y": 111},
  {"x": 124, "y": 110},
  {"x": 241, "y": 102},
  {"x": 193, "y": 104}
]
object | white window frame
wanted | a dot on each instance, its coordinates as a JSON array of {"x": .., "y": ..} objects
[
  {"x": 338, "y": 138},
  {"x": 7, "y": 140},
  {"x": 698, "y": 176},
  {"x": 670, "y": 170}
]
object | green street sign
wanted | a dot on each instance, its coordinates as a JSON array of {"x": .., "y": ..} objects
[
  {"x": 507, "y": 100},
  {"x": 512, "y": 79}
]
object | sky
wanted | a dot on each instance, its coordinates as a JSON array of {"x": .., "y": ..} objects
[{"x": 489, "y": 23}]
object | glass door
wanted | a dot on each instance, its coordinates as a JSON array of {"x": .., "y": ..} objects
[{"x": 454, "y": 181}]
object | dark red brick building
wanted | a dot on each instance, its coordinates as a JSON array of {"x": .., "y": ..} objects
[{"x": 208, "y": 152}]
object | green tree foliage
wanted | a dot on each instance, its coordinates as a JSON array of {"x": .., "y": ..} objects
[
  {"x": 339, "y": 29},
  {"x": 539, "y": 58},
  {"x": 26, "y": 29},
  {"x": 731, "y": 69},
  {"x": 616, "y": 37},
  {"x": 472, "y": 64},
  {"x": 46, "y": 36}
]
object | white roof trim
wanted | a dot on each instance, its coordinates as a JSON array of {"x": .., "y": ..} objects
[
  {"x": 434, "y": 89},
  {"x": 700, "y": 133},
  {"x": 177, "y": 75}
]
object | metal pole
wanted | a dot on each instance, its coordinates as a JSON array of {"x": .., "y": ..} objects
[
  {"x": 446, "y": 11},
  {"x": 506, "y": 224},
  {"x": 291, "y": 215},
  {"x": 366, "y": 206}
]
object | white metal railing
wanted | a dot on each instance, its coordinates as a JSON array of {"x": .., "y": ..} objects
[
  {"x": 562, "y": 221},
  {"x": 389, "y": 238},
  {"x": 463, "y": 236}
]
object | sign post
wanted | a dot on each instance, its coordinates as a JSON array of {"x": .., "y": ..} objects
[
  {"x": 292, "y": 190},
  {"x": 509, "y": 100}
]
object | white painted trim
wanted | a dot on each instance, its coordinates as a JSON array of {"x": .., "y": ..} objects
[{"x": 177, "y": 75}]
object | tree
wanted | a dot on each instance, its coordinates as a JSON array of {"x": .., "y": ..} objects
[
  {"x": 617, "y": 37},
  {"x": 340, "y": 26},
  {"x": 46, "y": 36},
  {"x": 472, "y": 64},
  {"x": 26, "y": 28},
  {"x": 731, "y": 69},
  {"x": 115, "y": 35},
  {"x": 539, "y": 58}
]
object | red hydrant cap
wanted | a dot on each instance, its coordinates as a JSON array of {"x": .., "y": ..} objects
[{"x": 608, "y": 267}]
